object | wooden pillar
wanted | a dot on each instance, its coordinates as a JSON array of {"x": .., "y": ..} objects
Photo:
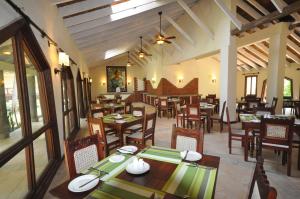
[
  {"x": 4, "y": 123},
  {"x": 276, "y": 67}
]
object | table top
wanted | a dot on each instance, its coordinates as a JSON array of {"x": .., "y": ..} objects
[
  {"x": 169, "y": 177},
  {"x": 252, "y": 118},
  {"x": 127, "y": 118}
]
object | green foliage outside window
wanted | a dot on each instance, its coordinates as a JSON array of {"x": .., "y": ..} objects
[{"x": 287, "y": 88}]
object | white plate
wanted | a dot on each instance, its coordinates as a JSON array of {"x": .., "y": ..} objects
[
  {"x": 120, "y": 121},
  {"x": 191, "y": 156},
  {"x": 77, "y": 182},
  {"x": 128, "y": 149},
  {"x": 118, "y": 117},
  {"x": 116, "y": 158},
  {"x": 133, "y": 169},
  {"x": 255, "y": 121}
]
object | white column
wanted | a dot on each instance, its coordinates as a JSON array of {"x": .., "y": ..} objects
[
  {"x": 277, "y": 59},
  {"x": 228, "y": 77}
]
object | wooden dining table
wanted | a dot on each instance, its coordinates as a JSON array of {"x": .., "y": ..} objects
[
  {"x": 130, "y": 120},
  {"x": 252, "y": 122},
  {"x": 169, "y": 177}
]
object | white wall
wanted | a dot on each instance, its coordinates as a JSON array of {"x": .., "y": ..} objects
[
  {"x": 98, "y": 74},
  {"x": 46, "y": 15},
  {"x": 204, "y": 69}
]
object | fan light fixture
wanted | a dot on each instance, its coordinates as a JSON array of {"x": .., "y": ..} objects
[{"x": 141, "y": 55}]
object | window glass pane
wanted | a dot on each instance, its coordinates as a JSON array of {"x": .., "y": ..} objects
[
  {"x": 248, "y": 85},
  {"x": 72, "y": 121},
  {"x": 67, "y": 126},
  {"x": 10, "y": 119},
  {"x": 34, "y": 86},
  {"x": 40, "y": 154},
  {"x": 253, "y": 86},
  {"x": 13, "y": 178},
  {"x": 287, "y": 88},
  {"x": 70, "y": 93}
]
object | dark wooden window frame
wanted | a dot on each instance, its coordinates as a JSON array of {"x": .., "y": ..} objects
[
  {"x": 292, "y": 88},
  {"x": 245, "y": 88},
  {"x": 264, "y": 85},
  {"x": 21, "y": 34},
  {"x": 80, "y": 95},
  {"x": 66, "y": 74}
]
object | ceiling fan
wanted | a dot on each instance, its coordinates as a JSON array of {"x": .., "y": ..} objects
[
  {"x": 160, "y": 38},
  {"x": 142, "y": 53},
  {"x": 128, "y": 60}
]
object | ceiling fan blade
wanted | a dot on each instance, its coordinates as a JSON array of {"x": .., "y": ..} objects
[
  {"x": 168, "y": 42},
  {"x": 171, "y": 37},
  {"x": 148, "y": 54}
]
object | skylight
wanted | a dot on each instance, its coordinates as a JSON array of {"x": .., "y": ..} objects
[{"x": 113, "y": 52}]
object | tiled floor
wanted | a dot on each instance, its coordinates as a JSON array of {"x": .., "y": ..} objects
[{"x": 235, "y": 174}]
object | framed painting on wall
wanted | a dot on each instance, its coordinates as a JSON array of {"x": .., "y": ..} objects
[{"x": 116, "y": 77}]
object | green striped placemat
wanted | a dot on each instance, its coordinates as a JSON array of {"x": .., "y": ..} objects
[
  {"x": 161, "y": 154},
  {"x": 126, "y": 117},
  {"x": 112, "y": 169},
  {"x": 117, "y": 188},
  {"x": 196, "y": 182},
  {"x": 247, "y": 117}
]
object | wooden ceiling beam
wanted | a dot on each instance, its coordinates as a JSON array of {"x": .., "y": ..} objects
[
  {"x": 197, "y": 20},
  {"x": 118, "y": 16},
  {"x": 229, "y": 14},
  {"x": 247, "y": 61},
  {"x": 258, "y": 6},
  {"x": 252, "y": 58},
  {"x": 294, "y": 7},
  {"x": 258, "y": 53},
  {"x": 179, "y": 29}
]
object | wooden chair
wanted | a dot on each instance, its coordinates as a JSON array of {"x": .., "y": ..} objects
[
  {"x": 277, "y": 134},
  {"x": 127, "y": 107},
  {"x": 163, "y": 106},
  {"x": 178, "y": 114},
  {"x": 110, "y": 141},
  {"x": 260, "y": 186},
  {"x": 193, "y": 115},
  {"x": 219, "y": 118},
  {"x": 147, "y": 133},
  {"x": 187, "y": 139},
  {"x": 297, "y": 109},
  {"x": 83, "y": 153},
  {"x": 136, "y": 127},
  {"x": 210, "y": 98},
  {"x": 235, "y": 134},
  {"x": 100, "y": 112}
]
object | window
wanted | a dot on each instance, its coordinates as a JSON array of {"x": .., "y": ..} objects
[
  {"x": 250, "y": 85},
  {"x": 29, "y": 145},
  {"x": 288, "y": 88},
  {"x": 80, "y": 96},
  {"x": 69, "y": 104}
]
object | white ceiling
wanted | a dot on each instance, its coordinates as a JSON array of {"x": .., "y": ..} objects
[{"x": 102, "y": 30}]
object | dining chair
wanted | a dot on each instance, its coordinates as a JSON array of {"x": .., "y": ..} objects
[
  {"x": 187, "y": 139},
  {"x": 83, "y": 153},
  {"x": 235, "y": 134},
  {"x": 100, "y": 112},
  {"x": 297, "y": 109},
  {"x": 179, "y": 114},
  {"x": 277, "y": 134},
  {"x": 147, "y": 133},
  {"x": 96, "y": 126},
  {"x": 193, "y": 115},
  {"x": 127, "y": 107},
  {"x": 296, "y": 142},
  {"x": 163, "y": 106},
  {"x": 219, "y": 118},
  {"x": 139, "y": 126},
  {"x": 260, "y": 186}
]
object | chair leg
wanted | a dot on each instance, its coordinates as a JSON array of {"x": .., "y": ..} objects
[
  {"x": 289, "y": 162},
  {"x": 221, "y": 126},
  {"x": 229, "y": 144},
  {"x": 153, "y": 140},
  {"x": 299, "y": 157},
  {"x": 176, "y": 121}
]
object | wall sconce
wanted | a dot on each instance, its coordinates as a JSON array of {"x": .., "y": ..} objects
[
  {"x": 63, "y": 60},
  {"x": 103, "y": 83},
  {"x": 213, "y": 80},
  {"x": 128, "y": 83},
  {"x": 153, "y": 81},
  {"x": 180, "y": 80},
  {"x": 91, "y": 80}
]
